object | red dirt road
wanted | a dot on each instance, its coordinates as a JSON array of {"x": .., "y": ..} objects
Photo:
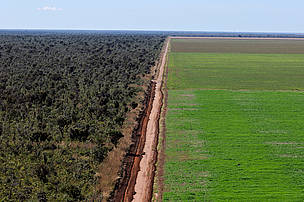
[{"x": 145, "y": 177}]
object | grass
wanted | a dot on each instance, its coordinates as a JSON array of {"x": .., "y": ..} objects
[
  {"x": 238, "y": 146},
  {"x": 235, "y": 127},
  {"x": 236, "y": 71}
]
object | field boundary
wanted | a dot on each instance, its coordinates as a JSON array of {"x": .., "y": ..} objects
[{"x": 145, "y": 177}]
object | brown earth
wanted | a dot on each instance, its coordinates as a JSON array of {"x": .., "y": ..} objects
[
  {"x": 145, "y": 177},
  {"x": 112, "y": 171},
  {"x": 159, "y": 188},
  {"x": 125, "y": 187},
  {"x": 238, "y": 45},
  {"x": 130, "y": 189}
]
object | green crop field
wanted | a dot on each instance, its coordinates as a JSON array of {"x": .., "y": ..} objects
[
  {"x": 236, "y": 71},
  {"x": 235, "y": 127}
]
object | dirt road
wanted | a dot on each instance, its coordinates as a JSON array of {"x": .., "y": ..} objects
[{"x": 145, "y": 177}]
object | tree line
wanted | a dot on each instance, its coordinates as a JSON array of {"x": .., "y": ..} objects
[{"x": 63, "y": 100}]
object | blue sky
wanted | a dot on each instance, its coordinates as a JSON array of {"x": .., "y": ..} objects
[{"x": 200, "y": 15}]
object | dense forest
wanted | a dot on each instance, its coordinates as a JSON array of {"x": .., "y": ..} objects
[{"x": 63, "y": 99}]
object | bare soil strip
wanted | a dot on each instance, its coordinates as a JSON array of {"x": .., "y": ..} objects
[
  {"x": 128, "y": 196},
  {"x": 162, "y": 145},
  {"x": 125, "y": 188},
  {"x": 145, "y": 177}
]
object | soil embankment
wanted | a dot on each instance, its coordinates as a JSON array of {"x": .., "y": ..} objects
[{"x": 139, "y": 164}]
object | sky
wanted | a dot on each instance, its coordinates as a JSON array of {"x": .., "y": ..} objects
[{"x": 176, "y": 15}]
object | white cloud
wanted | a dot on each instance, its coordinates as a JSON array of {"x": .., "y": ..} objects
[{"x": 49, "y": 8}]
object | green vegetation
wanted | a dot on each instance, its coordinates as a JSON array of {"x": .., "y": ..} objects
[
  {"x": 236, "y": 71},
  {"x": 234, "y": 133},
  {"x": 63, "y": 101},
  {"x": 233, "y": 145}
]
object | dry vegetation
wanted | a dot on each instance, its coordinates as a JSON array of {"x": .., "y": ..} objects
[{"x": 259, "y": 46}]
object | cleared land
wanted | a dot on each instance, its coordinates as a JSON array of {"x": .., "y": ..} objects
[
  {"x": 236, "y": 71},
  {"x": 235, "y": 126},
  {"x": 145, "y": 177},
  {"x": 285, "y": 46}
]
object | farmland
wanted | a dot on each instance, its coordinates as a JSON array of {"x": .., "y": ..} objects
[
  {"x": 284, "y": 46},
  {"x": 235, "y": 121},
  {"x": 236, "y": 71}
]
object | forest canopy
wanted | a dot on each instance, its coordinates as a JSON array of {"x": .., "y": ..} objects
[{"x": 63, "y": 100}]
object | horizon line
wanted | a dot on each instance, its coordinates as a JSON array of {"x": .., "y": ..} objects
[{"x": 152, "y": 30}]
